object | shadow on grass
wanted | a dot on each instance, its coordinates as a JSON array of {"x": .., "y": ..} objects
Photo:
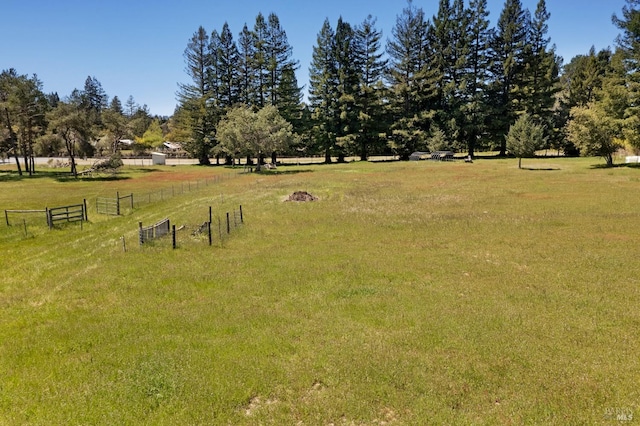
[
  {"x": 14, "y": 176},
  {"x": 281, "y": 172},
  {"x": 541, "y": 169},
  {"x": 106, "y": 178},
  {"x": 60, "y": 176},
  {"x": 145, "y": 169},
  {"x": 617, "y": 166}
]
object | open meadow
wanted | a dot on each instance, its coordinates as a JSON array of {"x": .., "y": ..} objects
[{"x": 408, "y": 293}]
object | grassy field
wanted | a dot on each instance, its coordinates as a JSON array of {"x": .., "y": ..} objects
[{"x": 409, "y": 293}]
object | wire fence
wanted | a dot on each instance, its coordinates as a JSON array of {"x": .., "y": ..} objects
[
  {"x": 215, "y": 230},
  {"x": 166, "y": 193},
  {"x": 152, "y": 232},
  {"x": 123, "y": 204}
]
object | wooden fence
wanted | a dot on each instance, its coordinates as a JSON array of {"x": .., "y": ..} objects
[{"x": 73, "y": 213}]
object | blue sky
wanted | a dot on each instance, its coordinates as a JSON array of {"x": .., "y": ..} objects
[{"x": 136, "y": 47}]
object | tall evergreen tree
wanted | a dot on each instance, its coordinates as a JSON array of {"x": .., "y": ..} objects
[
  {"x": 130, "y": 107},
  {"x": 116, "y": 105},
  {"x": 94, "y": 98},
  {"x": 347, "y": 125},
  {"x": 449, "y": 54},
  {"x": 542, "y": 69},
  {"x": 198, "y": 62},
  {"x": 282, "y": 86},
  {"x": 246, "y": 67},
  {"x": 412, "y": 82},
  {"x": 114, "y": 125},
  {"x": 226, "y": 65},
  {"x": 477, "y": 73},
  {"x": 278, "y": 57},
  {"x": 628, "y": 43},
  {"x": 369, "y": 100},
  {"x": 213, "y": 71},
  {"x": 260, "y": 29},
  {"x": 509, "y": 47},
  {"x": 323, "y": 91},
  {"x": 196, "y": 111},
  {"x": 290, "y": 99}
]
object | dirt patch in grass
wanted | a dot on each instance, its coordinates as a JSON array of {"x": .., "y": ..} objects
[{"x": 301, "y": 196}]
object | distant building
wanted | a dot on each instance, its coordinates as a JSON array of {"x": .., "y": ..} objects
[{"x": 172, "y": 146}]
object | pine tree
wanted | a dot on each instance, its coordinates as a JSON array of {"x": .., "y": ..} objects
[
  {"x": 323, "y": 91},
  {"x": 542, "y": 69},
  {"x": 261, "y": 57},
  {"x": 278, "y": 57},
  {"x": 477, "y": 73},
  {"x": 629, "y": 45},
  {"x": 449, "y": 54},
  {"x": 290, "y": 99},
  {"x": 114, "y": 125},
  {"x": 198, "y": 63},
  {"x": 246, "y": 67},
  {"x": 347, "y": 126},
  {"x": 130, "y": 107},
  {"x": 93, "y": 100},
  {"x": 369, "y": 100},
  {"x": 213, "y": 71},
  {"x": 412, "y": 82},
  {"x": 226, "y": 65},
  {"x": 509, "y": 47},
  {"x": 196, "y": 112},
  {"x": 116, "y": 105},
  {"x": 282, "y": 85}
]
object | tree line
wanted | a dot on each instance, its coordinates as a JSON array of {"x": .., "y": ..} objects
[
  {"x": 449, "y": 82},
  {"x": 84, "y": 124}
]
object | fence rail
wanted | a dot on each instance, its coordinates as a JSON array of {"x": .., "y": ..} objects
[
  {"x": 152, "y": 232},
  {"x": 72, "y": 213}
]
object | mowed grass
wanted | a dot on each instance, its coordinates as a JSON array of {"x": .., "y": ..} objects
[{"x": 409, "y": 293}]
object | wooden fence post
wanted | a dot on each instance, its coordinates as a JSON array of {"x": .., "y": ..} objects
[
  {"x": 117, "y": 203},
  {"x": 6, "y": 217},
  {"x": 173, "y": 236},
  {"x": 209, "y": 230},
  {"x": 84, "y": 206},
  {"x": 140, "y": 236},
  {"x": 228, "y": 224},
  {"x": 241, "y": 216}
]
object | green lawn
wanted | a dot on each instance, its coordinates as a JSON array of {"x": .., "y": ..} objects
[{"x": 409, "y": 293}]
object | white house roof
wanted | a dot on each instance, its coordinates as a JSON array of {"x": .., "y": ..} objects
[{"x": 172, "y": 145}]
